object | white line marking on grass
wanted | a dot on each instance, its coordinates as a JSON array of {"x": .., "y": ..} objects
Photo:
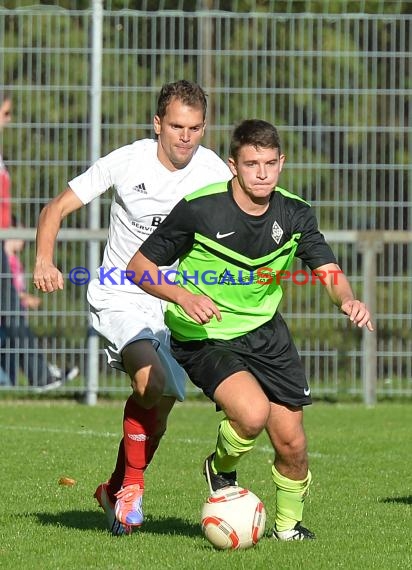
[
  {"x": 59, "y": 430},
  {"x": 91, "y": 433}
]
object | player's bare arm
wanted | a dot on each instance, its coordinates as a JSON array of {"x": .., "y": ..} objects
[
  {"x": 199, "y": 307},
  {"x": 46, "y": 276},
  {"x": 341, "y": 294}
]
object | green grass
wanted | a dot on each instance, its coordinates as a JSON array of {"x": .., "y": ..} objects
[{"x": 360, "y": 504}]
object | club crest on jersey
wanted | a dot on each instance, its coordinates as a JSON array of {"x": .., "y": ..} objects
[
  {"x": 140, "y": 188},
  {"x": 277, "y": 232}
]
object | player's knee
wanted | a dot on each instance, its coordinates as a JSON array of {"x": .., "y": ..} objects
[
  {"x": 147, "y": 398},
  {"x": 148, "y": 389},
  {"x": 253, "y": 422},
  {"x": 252, "y": 430},
  {"x": 294, "y": 449}
]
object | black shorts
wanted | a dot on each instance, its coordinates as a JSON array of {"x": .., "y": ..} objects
[{"x": 267, "y": 352}]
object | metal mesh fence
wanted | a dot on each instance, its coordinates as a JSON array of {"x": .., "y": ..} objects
[{"x": 337, "y": 85}]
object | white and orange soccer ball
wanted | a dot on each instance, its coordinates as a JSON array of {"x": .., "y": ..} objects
[{"x": 233, "y": 518}]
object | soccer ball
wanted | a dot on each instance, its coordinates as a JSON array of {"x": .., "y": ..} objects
[{"x": 233, "y": 518}]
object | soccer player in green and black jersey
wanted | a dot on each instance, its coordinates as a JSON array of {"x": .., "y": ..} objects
[{"x": 234, "y": 242}]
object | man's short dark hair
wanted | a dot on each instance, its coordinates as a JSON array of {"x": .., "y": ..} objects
[
  {"x": 256, "y": 133},
  {"x": 187, "y": 92}
]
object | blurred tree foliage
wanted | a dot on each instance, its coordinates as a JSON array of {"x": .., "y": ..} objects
[
  {"x": 291, "y": 6},
  {"x": 47, "y": 67},
  {"x": 48, "y": 64}
]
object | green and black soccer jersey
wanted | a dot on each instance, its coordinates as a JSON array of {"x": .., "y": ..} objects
[{"x": 233, "y": 257}]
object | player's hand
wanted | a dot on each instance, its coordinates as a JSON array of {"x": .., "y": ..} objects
[
  {"x": 358, "y": 313},
  {"x": 47, "y": 278},
  {"x": 199, "y": 307}
]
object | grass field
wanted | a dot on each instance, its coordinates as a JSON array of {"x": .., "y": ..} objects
[{"x": 360, "y": 504}]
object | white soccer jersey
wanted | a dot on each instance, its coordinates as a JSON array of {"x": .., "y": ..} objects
[{"x": 144, "y": 193}]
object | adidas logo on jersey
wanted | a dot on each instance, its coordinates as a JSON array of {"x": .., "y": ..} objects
[{"x": 140, "y": 188}]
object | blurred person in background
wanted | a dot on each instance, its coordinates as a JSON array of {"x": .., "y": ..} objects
[
  {"x": 5, "y": 206},
  {"x": 5, "y": 210},
  {"x": 149, "y": 177},
  {"x": 13, "y": 248},
  {"x": 19, "y": 347}
]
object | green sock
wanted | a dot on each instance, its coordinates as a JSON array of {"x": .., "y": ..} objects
[
  {"x": 290, "y": 497},
  {"x": 229, "y": 448}
]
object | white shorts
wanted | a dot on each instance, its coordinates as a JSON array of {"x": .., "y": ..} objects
[{"x": 123, "y": 315}]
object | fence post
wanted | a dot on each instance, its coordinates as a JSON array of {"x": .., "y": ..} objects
[
  {"x": 370, "y": 245},
  {"x": 92, "y": 374}
]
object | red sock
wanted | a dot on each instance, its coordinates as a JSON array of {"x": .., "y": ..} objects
[
  {"x": 116, "y": 480},
  {"x": 139, "y": 425}
]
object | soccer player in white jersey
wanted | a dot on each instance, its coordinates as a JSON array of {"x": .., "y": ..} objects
[{"x": 148, "y": 177}]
